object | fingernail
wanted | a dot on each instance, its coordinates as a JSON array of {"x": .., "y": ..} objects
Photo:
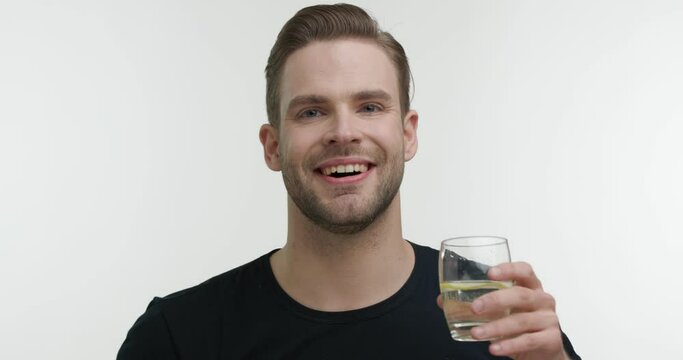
[
  {"x": 496, "y": 348},
  {"x": 494, "y": 272},
  {"x": 477, "y": 306}
]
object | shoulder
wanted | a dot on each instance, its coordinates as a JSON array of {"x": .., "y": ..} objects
[
  {"x": 423, "y": 249},
  {"x": 426, "y": 264},
  {"x": 214, "y": 291},
  {"x": 425, "y": 253},
  {"x": 179, "y": 318}
]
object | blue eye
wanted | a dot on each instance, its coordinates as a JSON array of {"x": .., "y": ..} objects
[
  {"x": 371, "y": 108},
  {"x": 310, "y": 113}
]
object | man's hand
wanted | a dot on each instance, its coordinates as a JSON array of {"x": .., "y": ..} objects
[{"x": 532, "y": 330}]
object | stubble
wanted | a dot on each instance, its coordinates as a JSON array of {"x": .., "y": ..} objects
[{"x": 345, "y": 213}]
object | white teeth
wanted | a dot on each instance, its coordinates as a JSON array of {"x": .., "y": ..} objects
[{"x": 342, "y": 169}]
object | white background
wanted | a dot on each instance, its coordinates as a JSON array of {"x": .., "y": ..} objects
[{"x": 130, "y": 165}]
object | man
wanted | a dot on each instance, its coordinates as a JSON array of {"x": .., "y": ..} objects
[{"x": 346, "y": 285}]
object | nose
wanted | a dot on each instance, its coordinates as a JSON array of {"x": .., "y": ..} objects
[{"x": 343, "y": 128}]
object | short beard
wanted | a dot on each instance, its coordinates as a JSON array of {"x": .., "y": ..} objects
[{"x": 324, "y": 217}]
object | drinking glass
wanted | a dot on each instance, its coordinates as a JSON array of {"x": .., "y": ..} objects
[{"x": 463, "y": 265}]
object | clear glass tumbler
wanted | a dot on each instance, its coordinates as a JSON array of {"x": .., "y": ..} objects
[{"x": 463, "y": 267}]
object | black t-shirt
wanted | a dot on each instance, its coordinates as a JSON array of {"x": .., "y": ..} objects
[{"x": 245, "y": 314}]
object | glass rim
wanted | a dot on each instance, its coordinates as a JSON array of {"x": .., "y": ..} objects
[{"x": 496, "y": 240}]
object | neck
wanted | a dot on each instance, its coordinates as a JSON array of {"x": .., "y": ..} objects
[{"x": 336, "y": 272}]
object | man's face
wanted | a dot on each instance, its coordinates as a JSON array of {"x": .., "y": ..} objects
[{"x": 342, "y": 141}]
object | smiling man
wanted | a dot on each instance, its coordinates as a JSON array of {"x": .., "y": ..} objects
[{"x": 346, "y": 285}]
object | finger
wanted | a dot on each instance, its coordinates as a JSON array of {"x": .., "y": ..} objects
[
  {"x": 516, "y": 299},
  {"x": 439, "y": 301},
  {"x": 516, "y": 324},
  {"x": 547, "y": 343},
  {"x": 520, "y": 272}
]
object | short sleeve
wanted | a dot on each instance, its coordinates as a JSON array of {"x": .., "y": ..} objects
[{"x": 149, "y": 338}]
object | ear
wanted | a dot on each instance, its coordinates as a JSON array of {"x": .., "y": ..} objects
[
  {"x": 409, "y": 135},
  {"x": 268, "y": 135}
]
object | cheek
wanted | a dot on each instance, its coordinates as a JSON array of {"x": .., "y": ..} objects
[
  {"x": 294, "y": 146},
  {"x": 391, "y": 139}
]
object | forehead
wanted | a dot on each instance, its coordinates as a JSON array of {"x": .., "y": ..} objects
[{"x": 337, "y": 69}]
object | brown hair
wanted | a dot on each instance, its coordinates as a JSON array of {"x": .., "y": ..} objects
[{"x": 329, "y": 22}]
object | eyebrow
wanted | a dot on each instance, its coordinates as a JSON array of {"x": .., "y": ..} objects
[
  {"x": 372, "y": 94},
  {"x": 303, "y": 100}
]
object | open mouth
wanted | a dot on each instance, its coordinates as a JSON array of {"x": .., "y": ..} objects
[{"x": 341, "y": 171}]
